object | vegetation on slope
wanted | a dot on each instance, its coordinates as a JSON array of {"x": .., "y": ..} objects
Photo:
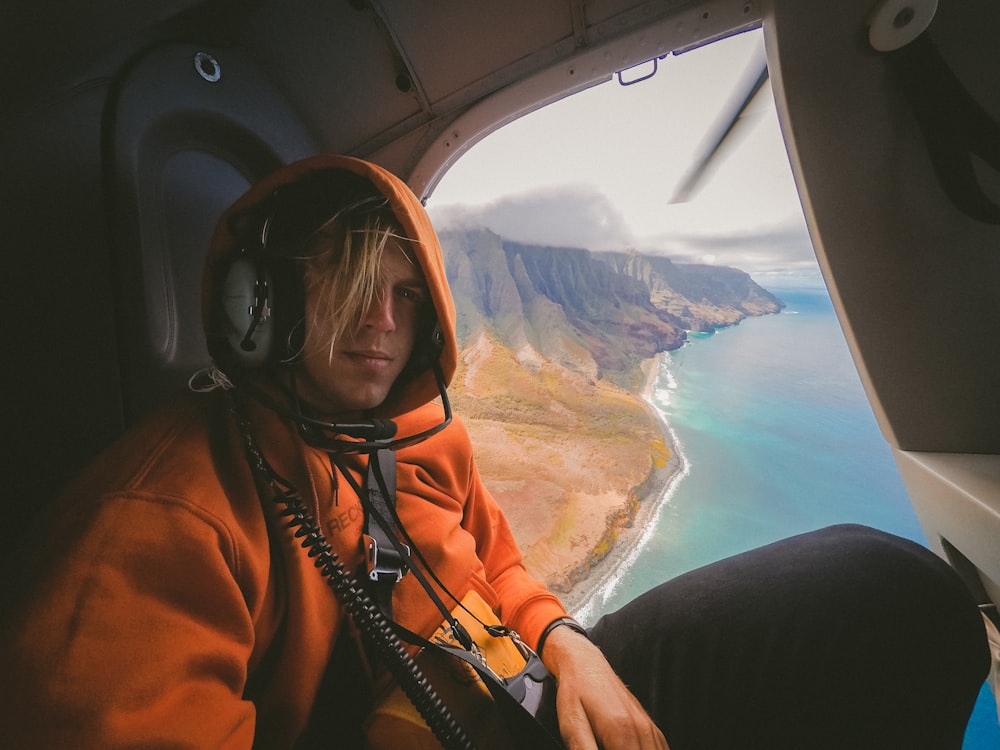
[
  {"x": 563, "y": 455},
  {"x": 553, "y": 346}
]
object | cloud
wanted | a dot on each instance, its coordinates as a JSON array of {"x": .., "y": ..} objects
[
  {"x": 582, "y": 216},
  {"x": 565, "y": 216},
  {"x": 768, "y": 248}
]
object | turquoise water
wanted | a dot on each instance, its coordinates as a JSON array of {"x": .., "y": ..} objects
[{"x": 778, "y": 438}]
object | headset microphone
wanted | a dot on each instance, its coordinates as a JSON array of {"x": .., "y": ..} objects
[
  {"x": 248, "y": 344},
  {"x": 377, "y": 429},
  {"x": 374, "y": 434},
  {"x": 384, "y": 429}
]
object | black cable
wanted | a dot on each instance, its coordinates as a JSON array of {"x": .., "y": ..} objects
[
  {"x": 376, "y": 630},
  {"x": 457, "y": 628},
  {"x": 497, "y": 631}
]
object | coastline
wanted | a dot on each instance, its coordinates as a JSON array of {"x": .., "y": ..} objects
[{"x": 585, "y": 599}]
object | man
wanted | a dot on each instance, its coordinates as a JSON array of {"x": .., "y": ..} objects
[{"x": 175, "y": 603}]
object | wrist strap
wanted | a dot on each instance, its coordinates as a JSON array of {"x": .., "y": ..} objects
[{"x": 568, "y": 622}]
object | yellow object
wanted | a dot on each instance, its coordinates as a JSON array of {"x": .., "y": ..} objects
[{"x": 395, "y": 722}]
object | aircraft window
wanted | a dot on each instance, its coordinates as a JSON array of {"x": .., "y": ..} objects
[{"x": 639, "y": 407}]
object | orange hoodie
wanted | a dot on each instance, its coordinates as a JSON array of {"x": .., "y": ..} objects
[{"x": 162, "y": 603}]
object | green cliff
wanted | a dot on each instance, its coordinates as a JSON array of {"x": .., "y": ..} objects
[{"x": 555, "y": 352}]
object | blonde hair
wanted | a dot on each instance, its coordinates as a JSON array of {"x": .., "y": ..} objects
[{"x": 342, "y": 264}]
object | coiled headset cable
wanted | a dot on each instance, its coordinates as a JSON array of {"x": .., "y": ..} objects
[{"x": 371, "y": 622}]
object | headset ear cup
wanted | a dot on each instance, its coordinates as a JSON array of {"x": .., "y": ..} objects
[
  {"x": 247, "y": 299},
  {"x": 426, "y": 352},
  {"x": 287, "y": 310}
]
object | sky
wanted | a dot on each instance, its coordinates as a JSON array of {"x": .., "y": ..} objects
[{"x": 598, "y": 170}]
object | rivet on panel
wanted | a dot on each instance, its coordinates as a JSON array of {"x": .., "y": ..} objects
[{"x": 207, "y": 67}]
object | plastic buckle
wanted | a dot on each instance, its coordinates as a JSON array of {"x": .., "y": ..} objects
[{"x": 383, "y": 561}]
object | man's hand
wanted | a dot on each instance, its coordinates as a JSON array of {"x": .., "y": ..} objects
[{"x": 595, "y": 708}]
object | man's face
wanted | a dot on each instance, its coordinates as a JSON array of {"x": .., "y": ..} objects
[{"x": 369, "y": 357}]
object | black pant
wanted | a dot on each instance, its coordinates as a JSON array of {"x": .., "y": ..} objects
[{"x": 844, "y": 638}]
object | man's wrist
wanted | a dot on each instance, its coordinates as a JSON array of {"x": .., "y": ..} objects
[{"x": 567, "y": 622}]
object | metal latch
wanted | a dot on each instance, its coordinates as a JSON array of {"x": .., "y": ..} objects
[{"x": 384, "y": 561}]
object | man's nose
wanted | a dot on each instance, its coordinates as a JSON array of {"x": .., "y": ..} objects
[{"x": 381, "y": 313}]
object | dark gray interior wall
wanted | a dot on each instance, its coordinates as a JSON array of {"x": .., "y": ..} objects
[
  {"x": 110, "y": 194},
  {"x": 63, "y": 395}
]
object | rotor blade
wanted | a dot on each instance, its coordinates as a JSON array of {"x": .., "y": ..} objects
[{"x": 691, "y": 182}]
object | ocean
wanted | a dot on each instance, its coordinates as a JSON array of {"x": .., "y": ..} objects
[{"x": 777, "y": 403}]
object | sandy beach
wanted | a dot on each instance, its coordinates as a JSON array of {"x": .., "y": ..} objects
[
  {"x": 584, "y": 599},
  {"x": 580, "y": 468}
]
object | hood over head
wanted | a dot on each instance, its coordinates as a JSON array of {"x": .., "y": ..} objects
[{"x": 237, "y": 239}]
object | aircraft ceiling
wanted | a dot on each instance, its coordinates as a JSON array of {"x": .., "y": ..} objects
[{"x": 376, "y": 78}]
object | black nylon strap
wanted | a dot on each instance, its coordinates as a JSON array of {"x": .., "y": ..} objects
[
  {"x": 380, "y": 513},
  {"x": 386, "y": 564}
]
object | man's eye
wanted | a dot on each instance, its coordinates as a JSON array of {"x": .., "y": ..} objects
[{"x": 413, "y": 295}]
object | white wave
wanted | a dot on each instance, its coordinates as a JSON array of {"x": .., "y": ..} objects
[
  {"x": 664, "y": 386},
  {"x": 589, "y": 609},
  {"x": 666, "y": 374}
]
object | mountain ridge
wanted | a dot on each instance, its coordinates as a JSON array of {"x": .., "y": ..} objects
[
  {"x": 557, "y": 352},
  {"x": 598, "y": 313}
]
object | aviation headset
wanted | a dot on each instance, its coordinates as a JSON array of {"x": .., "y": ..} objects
[{"x": 262, "y": 297}]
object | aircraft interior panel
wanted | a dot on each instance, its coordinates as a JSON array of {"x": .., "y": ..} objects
[
  {"x": 191, "y": 127},
  {"x": 64, "y": 387},
  {"x": 493, "y": 41},
  {"x": 914, "y": 273},
  {"x": 355, "y": 63},
  {"x": 955, "y": 496}
]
